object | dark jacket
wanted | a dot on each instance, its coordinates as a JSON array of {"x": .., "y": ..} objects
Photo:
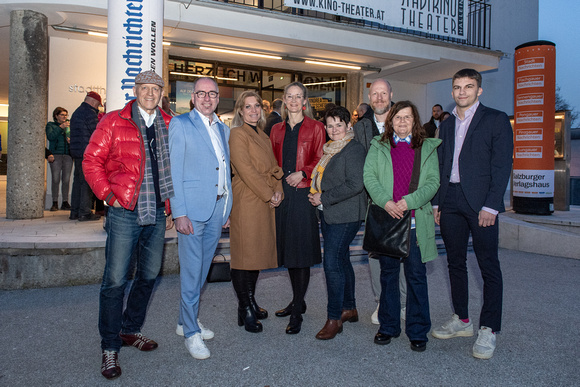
[
  {"x": 82, "y": 125},
  {"x": 311, "y": 139},
  {"x": 343, "y": 196},
  {"x": 365, "y": 129},
  {"x": 430, "y": 127},
  {"x": 485, "y": 161},
  {"x": 57, "y": 139},
  {"x": 273, "y": 119}
]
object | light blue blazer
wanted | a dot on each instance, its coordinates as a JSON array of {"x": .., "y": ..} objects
[{"x": 194, "y": 168}]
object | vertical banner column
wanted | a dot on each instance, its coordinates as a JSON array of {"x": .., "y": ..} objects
[
  {"x": 534, "y": 108},
  {"x": 134, "y": 44}
]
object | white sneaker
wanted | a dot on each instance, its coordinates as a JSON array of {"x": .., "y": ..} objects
[
  {"x": 375, "y": 316},
  {"x": 206, "y": 334},
  {"x": 485, "y": 343},
  {"x": 196, "y": 347},
  {"x": 403, "y": 313},
  {"x": 453, "y": 328}
]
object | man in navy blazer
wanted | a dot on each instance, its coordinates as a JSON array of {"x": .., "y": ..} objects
[
  {"x": 475, "y": 161},
  {"x": 200, "y": 169}
]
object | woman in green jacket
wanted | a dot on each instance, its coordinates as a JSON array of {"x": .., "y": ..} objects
[
  {"x": 387, "y": 174},
  {"x": 58, "y": 135}
]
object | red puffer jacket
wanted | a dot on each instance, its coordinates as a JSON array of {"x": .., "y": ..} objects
[
  {"x": 311, "y": 138},
  {"x": 114, "y": 161}
]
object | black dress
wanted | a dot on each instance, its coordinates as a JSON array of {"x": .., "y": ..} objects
[{"x": 297, "y": 235}]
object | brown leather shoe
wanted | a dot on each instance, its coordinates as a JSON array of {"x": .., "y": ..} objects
[
  {"x": 350, "y": 315},
  {"x": 139, "y": 341},
  {"x": 330, "y": 330},
  {"x": 110, "y": 368}
]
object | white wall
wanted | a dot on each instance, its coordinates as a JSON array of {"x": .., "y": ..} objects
[{"x": 75, "y": 67}]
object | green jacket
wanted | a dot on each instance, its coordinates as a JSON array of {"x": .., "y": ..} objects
[
  {"x": 57, "y": 139},
  {"x": 378, "y": 179}
]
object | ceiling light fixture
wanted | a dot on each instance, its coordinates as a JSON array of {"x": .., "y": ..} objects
[
  {"x": 227, "y": 51},
  {"x": 324, "y": 83},
  {"x": 344, "y": 66}
]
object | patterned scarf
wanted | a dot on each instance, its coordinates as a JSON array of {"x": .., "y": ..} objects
[
  {"x": 330, "y": 149},
  {"x": 147, "y": 202}
]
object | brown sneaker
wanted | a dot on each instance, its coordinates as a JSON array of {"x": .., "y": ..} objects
[
  {"x": 110, "y": 368},
  {"x": 139, "y": 341}
]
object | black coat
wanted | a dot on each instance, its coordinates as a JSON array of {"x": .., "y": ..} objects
[{"x": 82, "y": 125}]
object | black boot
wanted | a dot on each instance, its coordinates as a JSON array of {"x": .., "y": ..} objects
[
  {"x": 295, "y": 323},
  {"x": 54, "y": 206},
  {"x": 287, "y": 311},
  {"x": 252, "y": 276},
  {"x": 246, "y": 315}
]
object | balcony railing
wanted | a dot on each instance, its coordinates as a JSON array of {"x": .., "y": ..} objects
[{"x": 478, "y": 25}]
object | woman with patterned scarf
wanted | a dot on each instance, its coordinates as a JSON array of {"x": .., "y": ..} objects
[{"x": 338, "y": 192}]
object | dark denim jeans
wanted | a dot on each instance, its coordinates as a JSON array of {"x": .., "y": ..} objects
[
  {"x": 418, "y": 320},
  {"x": 337, "y": 267},
  {"x": 125, "y": 240}
]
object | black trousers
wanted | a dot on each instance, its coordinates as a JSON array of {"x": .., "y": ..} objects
[{"x": 458, "y": 219}]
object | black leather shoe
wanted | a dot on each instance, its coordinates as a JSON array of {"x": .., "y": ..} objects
[
  {"x": 65, "y": 206},
  {"x": 73, "y": 217},
  {"x": 418, "y": 346},
  {"x": 382, "y": 339},
  {"x": 89, "y": 217},
  {"x": 287, "y": 311},
  {"x": 294, "y": 325}
]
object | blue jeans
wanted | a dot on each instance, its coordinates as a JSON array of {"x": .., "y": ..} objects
[
  {"x": 418, "y": 320},
  {"x": 125, "y": 240},
  {"x": 337, "y": 267}
]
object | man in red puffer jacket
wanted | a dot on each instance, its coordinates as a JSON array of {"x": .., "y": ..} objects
[{"x": 127, "y": 165}]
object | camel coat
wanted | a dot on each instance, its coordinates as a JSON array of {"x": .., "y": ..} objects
[{"x": 256, "y": 176}]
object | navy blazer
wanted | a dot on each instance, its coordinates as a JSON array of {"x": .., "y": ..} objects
[{"x": 485, "y": 162}]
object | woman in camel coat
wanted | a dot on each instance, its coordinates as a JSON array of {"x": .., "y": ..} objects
[{"x": 257, "y": 190}]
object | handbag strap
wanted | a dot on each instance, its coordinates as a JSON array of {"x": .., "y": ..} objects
[{"x": 416, "y": 171}]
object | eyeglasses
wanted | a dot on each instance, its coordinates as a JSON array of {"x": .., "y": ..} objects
[
  {"x": 63, "y": 114},
  {"x": 294, "y": 97},
  {"x": 202, "y": 94},
  {"x": 404, "y": 118}
]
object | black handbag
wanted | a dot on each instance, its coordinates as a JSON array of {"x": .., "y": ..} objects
[
  {"x": 219, "y": 270},
  {"x": 386, "y": 235}
]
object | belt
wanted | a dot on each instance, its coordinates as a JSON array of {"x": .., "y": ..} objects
[{"x": 219, "y": 197}]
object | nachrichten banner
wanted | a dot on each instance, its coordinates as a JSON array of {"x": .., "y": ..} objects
[{"x": 439, "y": 17}]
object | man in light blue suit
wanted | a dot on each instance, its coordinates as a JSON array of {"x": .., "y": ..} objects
[{"x": 200, "y": 169}]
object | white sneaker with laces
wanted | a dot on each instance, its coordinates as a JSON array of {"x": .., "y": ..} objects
[
  {"x": 485, "y": 344},
  {"x": 206, "y": 334},
  {"x": 453, "y": 328},
  {"x": 375, "y": 316},
  {"x": 196, "y": 347}
]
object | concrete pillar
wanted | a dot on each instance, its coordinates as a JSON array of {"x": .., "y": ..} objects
[
  {"x": 354, "y": 90},
  {"x": 28, "y": 96}
]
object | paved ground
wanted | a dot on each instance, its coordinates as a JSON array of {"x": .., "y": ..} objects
[{"x": 49, "y": 336}]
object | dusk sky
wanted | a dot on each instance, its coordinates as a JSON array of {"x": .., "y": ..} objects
[{"x": 560, "y": 24}]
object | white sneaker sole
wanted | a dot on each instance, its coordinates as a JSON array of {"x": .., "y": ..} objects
[
  {"x": 199, "y": 357},
  {"x": 484, "y": 356},
  {"x": 452, "y": 335}
]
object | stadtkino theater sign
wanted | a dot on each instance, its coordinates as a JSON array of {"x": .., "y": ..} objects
[{"x": 439, "y": 17}]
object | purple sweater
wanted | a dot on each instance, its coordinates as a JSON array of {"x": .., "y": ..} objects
[{"x": 402, "y": 156}]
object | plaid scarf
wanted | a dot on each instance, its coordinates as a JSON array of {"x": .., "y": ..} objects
[
  {"x": 147, "y": 203},
  {"x": 330, "y": 149}
]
